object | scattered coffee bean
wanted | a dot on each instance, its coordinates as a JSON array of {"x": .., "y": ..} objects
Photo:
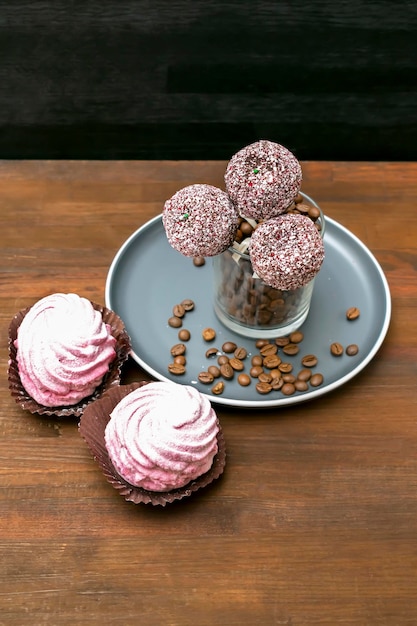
[
  {"x": 175, "y": 322},
  {"x": 229, "y": 347},
  {"x": 296, "y": 336},
  {"x": 264, "y": 377},
  {"x": 176, "y": 368},
  {"x": 211, "y": 352},
  {"x": 256, "y": 371},
  {"x": 277, "y": 384},
  {"x": 304, "y": 374},
  {"x": 301, "y": 385},
  {"x": 263, "y": 388},
  {"x": 188, "y": 304},
  {"x": 206, "y": 378},
  {"x": 336, "y": 349},
  {"x": 268, "y": 349},
  {"x": 180, "y": 359},
  {"x": 244, "y": 380},
  {"x": 214, "y": 371},
  {"x": 291, "y": 349},
  {"x": 237, "y": 364},
  {"x": 178, "y": 310},
  {"x": 275, "y": 373},
  {"x": 316, "y": 380},
  {"x": 222, "y": 359},
  {"x": 285, "y": 368},
  {"x": 208, "y": 334},
  {"x": 218, "y": 388},
  {"x": 199, "y": 261},
  {"x": 288, "y": 389},
  {"x": 261, "y": 342},
  {"x": 282, "y": 341},
  {"x": 289, "y": 378},
  {"x": 271, "y": 361},
  {"x": 240, "y": 353},
  {"x": 227, "y": 371},
  {"x": 178, "y": 349},
  {"x": 309, "y": 360},
  {"x": 352, "y": 349},
  {"x": 353, "y": 313},
  {"x": 257, "y": 360},
  {"x": 184, "y": 335}
]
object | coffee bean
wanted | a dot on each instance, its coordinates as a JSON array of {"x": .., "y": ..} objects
[
  {"x": 178, "y": 349},
  {"x": 184, "y": 335},
  {"x": 257, "y": 360},
  {"x": 218, "y": 388},
  {"x": 271, "y": 361},
  {"x": 180, "y": 359},
  {"x": 175, "y": 322},
  {"x": 240, "y": 353},
  {"x": 275, "y": 373},
  {"x": 268, "y": 349},
  {"x": 301, "y": 385},
  {"x": 244, "y": 380},
  {"x": 208, "y": 334},
  {"x": 316, "y": 380},
  {"x": 263, "y": 388},
  {"x": 199, "y": 261},
  {"x": 288, "y": 389},
  {"x": 214, "y": 371},
  {"x": 285, "y": 368},
  {"x": 261, "y": 342},
  {"x": 352, "y": 349},
  {"x": 336, "y": 348},
  {"x": 227, "y": 371},
  {"x": 255, "y": 371},
  {"x": 264, "y": 377},
  {"x": 304, "y": 375},
  {"x": 178, "y": 310},
  {"x": 229, "y": 347},
  {"x": 353, "y": 313},
  {"x": 309, "y": 360},
  {"x": 291, "y": 349},
  {"x": 237, "y": 364},
  {"x": 176, "y": 368},
  {"x": 211, "y": 352},
  {"x": 206, "y": 378},
  {"x": 277, "y": 384},
  {"x": 222, "y": 359},
  {"x": 296, "y": 336},
  {"x": 282, "y": 341},
  {"x": 289, "y": 378},
  {"x": 188, "y": 304}
]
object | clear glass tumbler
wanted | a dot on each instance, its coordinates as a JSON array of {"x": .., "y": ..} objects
[{"x": 249, "y": 307}]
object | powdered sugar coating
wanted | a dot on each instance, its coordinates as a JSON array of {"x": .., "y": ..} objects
[
  {"x": 162, "y": 435},
  {"x": 263, "y": 179},
  {"x": 200, "y": 220},
  {"x": 287, "y": 251}
]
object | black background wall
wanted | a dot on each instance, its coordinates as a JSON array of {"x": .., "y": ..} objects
[{"x": 199, "y": 79}]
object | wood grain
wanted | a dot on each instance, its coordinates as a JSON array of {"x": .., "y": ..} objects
[{"x": 315, "y": 518}]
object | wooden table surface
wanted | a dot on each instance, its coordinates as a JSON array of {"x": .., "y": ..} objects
[{"x": 315, "y": 518}]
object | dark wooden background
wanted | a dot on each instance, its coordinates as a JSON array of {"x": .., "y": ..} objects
[{"x": 155, "y": 79}]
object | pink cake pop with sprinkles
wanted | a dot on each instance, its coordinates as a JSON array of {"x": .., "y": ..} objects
[
  {"x": 263, "y": 179},
  {"x": 200, "y": 220},
  {"x": 287, "y": 251}
]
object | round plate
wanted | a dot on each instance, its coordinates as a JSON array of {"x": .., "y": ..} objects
[{"x": 148, "y": 277}]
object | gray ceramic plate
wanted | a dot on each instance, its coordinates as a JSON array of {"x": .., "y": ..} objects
[{"x": 147, "y": 278}]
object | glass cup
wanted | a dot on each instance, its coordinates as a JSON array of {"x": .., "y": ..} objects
[{"x": 249, "y": 307}]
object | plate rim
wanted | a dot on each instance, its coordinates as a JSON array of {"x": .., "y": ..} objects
[{"x": 265, "y": 403}]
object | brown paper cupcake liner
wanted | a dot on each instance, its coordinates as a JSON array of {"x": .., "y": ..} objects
[
  {"x": 92, "y": 426},
  {"x": 111, "y": 379}
]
